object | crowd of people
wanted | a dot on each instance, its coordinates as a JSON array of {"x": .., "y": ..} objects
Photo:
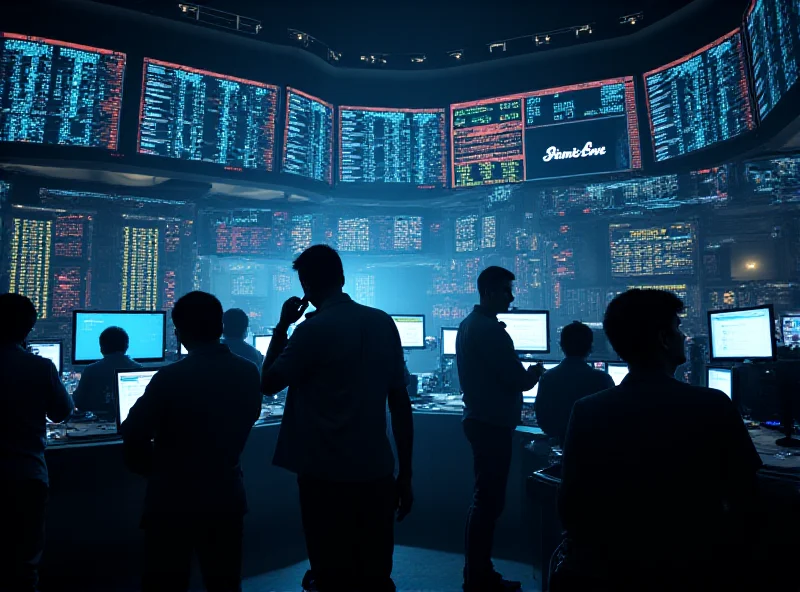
[{"x": 657, "y": 476}]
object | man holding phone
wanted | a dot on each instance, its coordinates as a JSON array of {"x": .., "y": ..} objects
[
  {"x": 493, "y": 380},
  {"x": 342, "y": 365}
]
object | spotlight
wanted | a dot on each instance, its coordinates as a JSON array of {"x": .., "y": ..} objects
[
  {"x": 541, "y": 40},
  {"x": 752, "y": 265},
  {"x": 334, "y": 56},
  {"x": 631, "y": 19},
  {"x": 583, "y": 29},
  {"x": 418, "y": 59},
  {"x": 374, "y": 59},
  {"x": 501, "y": 46},
  {"x": 456, "y": 54},
  {"x": 299, "y": 36}
]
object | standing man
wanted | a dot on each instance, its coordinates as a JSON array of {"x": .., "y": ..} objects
[
  {"x": 341, "y": 365},
  {"x": 186, "y": 434},
  {"x": 493, "y": 380},
  {"x": 30, "y": 392},
  {"x": 234, "y": 331}
]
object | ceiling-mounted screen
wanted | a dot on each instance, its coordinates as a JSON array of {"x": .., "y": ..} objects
[
  {"x": 192, "y": 114},
  {"x": 582, "y": 129},
  {"x": 700, "y": 99},
  {"x": 773, "y": 29},
  {"x": 637, "y": 251},
  {"x": 308, "y": 137},
  {"x": 383, "y": 145},
  {"x": 53, "y": 92}
]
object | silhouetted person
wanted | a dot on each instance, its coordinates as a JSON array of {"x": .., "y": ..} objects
[
  {"x": 97, "y": 387},
  {"x": 234, "y": 331},
  {"x": 30, "y": 392},
  {"x": 656, "y": 473},
  {"x": 198, "y": 413},
  {"x": 341, "y": 365},
  {"x": 568, "y": 382},
  {"x": 493, "y": 380}
]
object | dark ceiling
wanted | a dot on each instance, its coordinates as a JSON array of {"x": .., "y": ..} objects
[{"x": 424, "y": 26}]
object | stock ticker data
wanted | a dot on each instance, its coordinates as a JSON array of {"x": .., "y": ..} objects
[
  {"x": 773, "y": 28},
  {"x": 581, "y": 129},
  {"x": 308, "y": 137},
  {"x": 700, "y": 99},
  {"x": 380, "y": 234},
  {"x": 653, "y": 251},
  {"x": 192, "y": 114},
  {"x": 382, "y": 145},
  {"x": 52, "y": 92}
]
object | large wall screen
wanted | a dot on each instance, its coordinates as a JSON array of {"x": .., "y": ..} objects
[{"x": 308, "y": 137}]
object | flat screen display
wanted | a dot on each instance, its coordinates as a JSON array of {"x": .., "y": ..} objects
[
  {"x": 192, "y": 114},
  {"x": 617, "y": 372},
  {"x": 529, "y": 330},
  {"x": 411, "y": 329},
  {"x": 668, "y": 250},
  {"x": 308, "y": 137},
  {"x": 598, "y": 366},
  {"x": 582, "y": 129},
  {"x": 449, "y": 342},
  {"x": 530, "y": 396},
  {"x": 742, "y": 334},
  {"x": 52, "y": 350},
  {"x": 261, "y": 343},
  {"x": 130, "y": 386},
  {"x": 53, "y": 92},
  {"x": 700, "y": 99},
  {"x": 790, "y": 328},
  {"x": 146, "y": 332},
  {"x": 720, "y": 379}
]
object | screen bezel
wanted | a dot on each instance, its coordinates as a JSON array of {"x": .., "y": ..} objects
[
  {"x": 418, "y": 316},
  {"x": 117, "y": 374},
  {"x": 441, "y": 341},
  {"x": 163, "y": 313},
  {"x": 726, "y": 369},
  {"x": 774, "y": 348},
  {"x": 60, "y": 344},
  {"x": 546, "y": 314}
]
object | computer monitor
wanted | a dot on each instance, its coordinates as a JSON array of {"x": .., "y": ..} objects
[
  {"x": 147, "y": 332},
  {"x": 720, "y": 379},
  {"x": 449, "y": 342},
  {"x": 184, "y": 351},
  {"x": 617, "y": 372},
  {"x": 52, "y": 350},
  {"x": 599, "y": 366},
  {"x": 411, "y": 329},
  {"x": 130, "y": 386},
  {"x": 742, "y": 334},
  {"x": 530, "y": 396},
  {"x": 261, "y": 343},
  {"x": 790, "y": 329},
  {"x": 529, "y": 330}
]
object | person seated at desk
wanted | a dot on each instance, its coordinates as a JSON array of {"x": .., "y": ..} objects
[
  {"x": 95, "y": 391},
  {"x": 658, "y": 477},
  {"x": 570, "y": 381},
  {"x": 235, "y": 324}
]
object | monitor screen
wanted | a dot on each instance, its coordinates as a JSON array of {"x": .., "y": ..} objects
[
  {"x": 53, "y": 92},
  {"x": 582, "y": 129},
  {"x": 529, "y": 330},
  {"x": 384, "y": 145},
  {"x": 449, "y": 342},
  {"x": 308, "y": 137},
  {"x": 599, "y": 366},
  {"x": 773, "y": 29},
  {"x": 130, "y": 386},
  {"x": 742, "y": 334},
  {"x": 193, "y": 114},
  {"x": 700, "y": 99},
  {"x": 261, "y": 343},
  {"x": 790, "y": 328},
  {"x": 184, "y": 351},
  {"x": 379, "y": 234},
  {"x": 652, "y": 251},
  {"x": 52, "y": 350},
  {"x": 617, "y": 372},
  {"x": 720, "y": 379},
  {"x": 530, "y": 396},
  {"x": 411, "y": 329},
  {"x": 146, "y": 332}
]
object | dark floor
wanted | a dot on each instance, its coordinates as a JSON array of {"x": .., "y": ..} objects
[{"x": 415, "y": 570}]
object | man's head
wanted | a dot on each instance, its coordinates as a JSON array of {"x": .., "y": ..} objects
[
  {"x": 114, "y": 340},
  {"x": 495, "y": 289},
  {"x": 321, "y": 274},
  {"x": 17, "y": 318},
  {"x": 577, "y": 340},
  {"x": 235, "y": 323},
  {"x": 197, "y": 317},
  {"x": 643, "y": 327}
]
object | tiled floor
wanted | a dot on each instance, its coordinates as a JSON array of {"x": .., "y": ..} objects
[{"x": 415, "y": 570}]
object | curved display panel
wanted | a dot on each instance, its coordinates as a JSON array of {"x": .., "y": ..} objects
[
  {"x": 192, "y": 114},
  {"x": 582, "y": 129},
  {"x": 700, "y": 99},
  {"x": 53, "y": 92},
  {"x": 383, "y": 145},
  {"x": 308, "y": 137}
]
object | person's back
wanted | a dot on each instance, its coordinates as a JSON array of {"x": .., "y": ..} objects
[
  {"x": 95, "y": 391},
  {"x": 244, "y": 350},
  {"x": 235, "y": 323}
]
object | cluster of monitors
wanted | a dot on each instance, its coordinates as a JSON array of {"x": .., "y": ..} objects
[
  {"x": 529, "y": 331},
  {"x": 617, "y": 372},
  {"x": 709, "y": 96}
]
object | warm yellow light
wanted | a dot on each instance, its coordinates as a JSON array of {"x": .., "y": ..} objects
[{"x": 751, "y": 265}]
